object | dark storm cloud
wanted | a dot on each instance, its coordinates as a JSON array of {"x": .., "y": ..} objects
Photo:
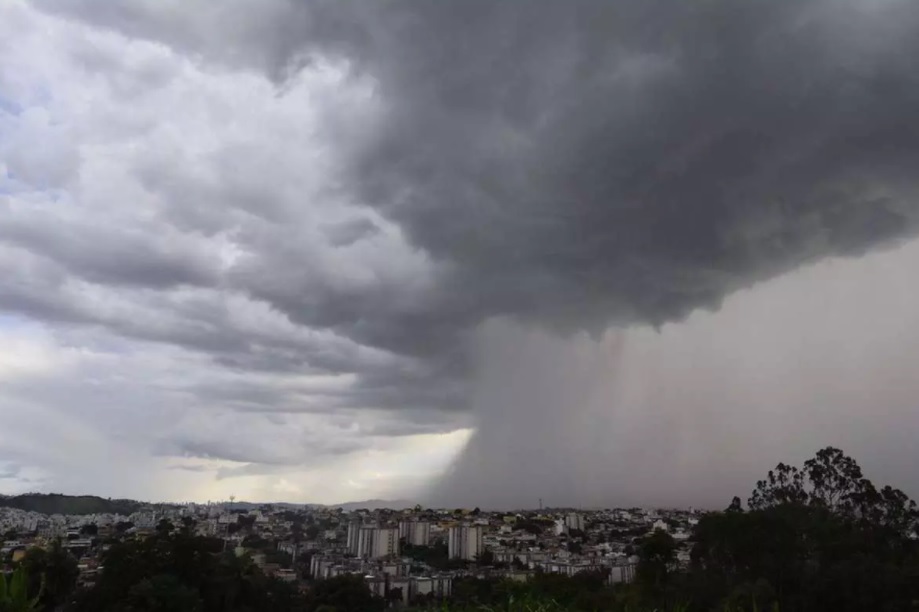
[
  {"x": 595, "y": 162},
  {"x": 570, "y": 164},
  {"x": 592, "y": 162}
]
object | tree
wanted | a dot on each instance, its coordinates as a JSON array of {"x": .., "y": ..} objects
[
  {"x": 656, "y": 559},
  {"x": 123, "y": 526},
  {"x": 343, "y": 594},
  {"x": 188, "y": 524},
  {"x": 52, "y": 574},
  {"x": 89, "y": 529},
  {"x": 164, "y": 527},
  {"x": 822, "y": 537},
  {"x": 14, "y": 593},
  {"x": 163, "y": 593}
]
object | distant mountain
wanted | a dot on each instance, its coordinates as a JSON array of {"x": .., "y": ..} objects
[
  {"x": 374, "y": 504},
  {"x": 55, "y": 503}
]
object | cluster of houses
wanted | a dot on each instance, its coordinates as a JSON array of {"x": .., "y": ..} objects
[{"x": 404, "y": 555}]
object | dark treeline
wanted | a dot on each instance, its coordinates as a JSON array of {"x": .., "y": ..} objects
[{"x": 811, "y": 539}]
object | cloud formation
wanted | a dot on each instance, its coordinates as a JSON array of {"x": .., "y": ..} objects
[{"x": 320, "y": 206}]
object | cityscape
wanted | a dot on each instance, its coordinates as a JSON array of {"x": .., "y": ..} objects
[
  {"x": 415, "y": 553},
  {"x": 592, "y": 305}
]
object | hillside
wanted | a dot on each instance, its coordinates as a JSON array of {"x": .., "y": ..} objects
[
  {"x": 374, "y": 504},
  {"x": 56, "y": 503}
]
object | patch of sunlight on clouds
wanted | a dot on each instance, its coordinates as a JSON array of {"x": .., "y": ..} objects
[{"x": 397, "y": 468}]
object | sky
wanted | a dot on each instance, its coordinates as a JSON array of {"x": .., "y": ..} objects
[{"x": 460, "y": 252}]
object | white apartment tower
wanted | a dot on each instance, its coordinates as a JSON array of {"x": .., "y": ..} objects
[
  {"x": 416, "y": 533},
  {"x": 385, "y": 542},
  {"x": 354, "y": 533},
  {"x": 574, "y": 521},
  {"x": 465, "y": 542},
  {"x": 365, "y": 537},
  {"x": 372, "y": 542}
]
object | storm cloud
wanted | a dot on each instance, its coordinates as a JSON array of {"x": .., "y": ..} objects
[{"x": 344, "y": 211}]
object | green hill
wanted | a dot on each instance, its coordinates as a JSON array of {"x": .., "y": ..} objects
[{"x": 56, "y": 503}]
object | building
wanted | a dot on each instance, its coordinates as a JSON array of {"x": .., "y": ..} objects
[
  {"x": 416, "y": 533},
  {"x": 364, "y": 548},
  {"x": 354, "y": 532},
  {"x": 407, "y": 588},
  {"x": 574, "y": 521},
  {"x": 624, "y": 572},
  {"x": 385, "y": 543},
  {"x": 465, "y": 542},
  {"x": 371, "y": 542}
]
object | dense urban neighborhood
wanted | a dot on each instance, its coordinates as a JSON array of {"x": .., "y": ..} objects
[
  {"x": 819, "y": 537},
  {"x": 408, "y": 556}
]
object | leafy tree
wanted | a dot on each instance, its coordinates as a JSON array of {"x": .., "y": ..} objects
[
  {"x": 184, "y": 572},
  {"x": 89, "y": 529},
  {"x": 162, "y": 593},
  {"x": 657, "y": 559},
  {"x": 52, "y": 574},
  {"x": 14, "y": 593},
  {"x": 485, "y": 558},
  {"x": 347, "y": 593},
  {"x": 164, "y": 527},
  {"x": 123, "y": 526},
  {"x": 817, "y": 538}
]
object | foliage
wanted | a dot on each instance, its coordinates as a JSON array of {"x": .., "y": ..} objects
[
  {"x": 184, "y": 572},
  {"x": 435, "y": 556},
  {"x": 343, "y": 594},
  {"x": 657, "y": 561},
  {"x": 14, "y": 593},
  {"x": 821, "y": 537},
  {"x": 52, "y": 574}
]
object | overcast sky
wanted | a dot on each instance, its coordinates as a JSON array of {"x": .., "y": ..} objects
[{"x": 465, "y": 252}]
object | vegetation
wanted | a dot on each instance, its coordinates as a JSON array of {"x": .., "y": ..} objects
[
  {"x": 820, "y": 538},
  {"x": 14, "y": 593},
  {"x": 182, "y": 572},
  {"x": 435, "y": 556},
  {"x": 55, "y": 503},
  {"x": 52, "y": 575}
]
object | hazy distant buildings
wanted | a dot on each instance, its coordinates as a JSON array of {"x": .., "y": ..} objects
[
  {"x": 465, "y": 542},
  {"x": 416, "y": 533}
]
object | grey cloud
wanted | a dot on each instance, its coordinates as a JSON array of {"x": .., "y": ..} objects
[
  {"x": 189, "y": 468},
  {"x": 347, "y": 233},
  {"x": 255, "y": 451},
  {"x": 111, "y": 255},
  {"x": 591, "y": 162},
  {"x": 573, "y": 165},
  {"x": 10, "y": 470}
]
